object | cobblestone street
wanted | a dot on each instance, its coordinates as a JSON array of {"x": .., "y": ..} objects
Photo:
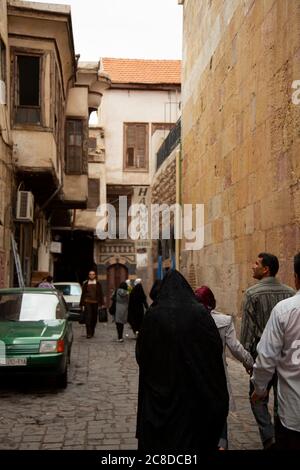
[{"x": 98, "y": 408}]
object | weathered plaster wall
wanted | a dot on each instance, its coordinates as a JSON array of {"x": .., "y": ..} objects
[{"x": 6, "y": 173}]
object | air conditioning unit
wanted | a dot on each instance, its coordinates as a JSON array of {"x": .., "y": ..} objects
[{"x": 25, "y": 206}]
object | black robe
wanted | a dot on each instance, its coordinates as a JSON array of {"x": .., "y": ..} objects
[
  {"x": 137, "y": 303},
  {"x": 183, "y": 398}
]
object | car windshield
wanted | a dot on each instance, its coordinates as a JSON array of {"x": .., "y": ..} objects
[
  {"x": 30, "y": 307},
  {"x": 68, "y": 289}
]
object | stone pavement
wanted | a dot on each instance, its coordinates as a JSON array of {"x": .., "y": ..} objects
[{"x": 98, "y": 408}]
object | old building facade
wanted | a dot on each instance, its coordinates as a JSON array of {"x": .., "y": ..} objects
[
  {"x": 6, "y": 163},
  {"x": 240, "y": 138},
  {"x": 135, "y": 115},
  {"x": 45, "y": 104}
]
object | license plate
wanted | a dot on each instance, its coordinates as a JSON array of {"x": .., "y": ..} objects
[{"x": 14, "y": 361}]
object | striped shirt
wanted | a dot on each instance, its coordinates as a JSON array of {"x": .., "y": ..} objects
[{"x": 258, "y": 304}]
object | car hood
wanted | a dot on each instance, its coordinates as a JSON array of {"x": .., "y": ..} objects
[
  {"x": 72, "y": 298},
  {"x": 19, "y": 332}
]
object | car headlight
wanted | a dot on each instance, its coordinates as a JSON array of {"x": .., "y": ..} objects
[{"x": 52, "y": 346}]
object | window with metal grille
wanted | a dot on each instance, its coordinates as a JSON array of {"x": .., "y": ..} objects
[
  {"x": 2, "y": 73},
  {"x": 93, "y": 193},
  {"x": 2, "y": 61},
  {"x": 74, "y": 146},
  {"x": 27, "y": 89},
  {"x": 136, "y": 146}
]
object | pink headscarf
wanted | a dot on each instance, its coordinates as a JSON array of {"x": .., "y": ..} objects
[{"x": 206, "y": 297}]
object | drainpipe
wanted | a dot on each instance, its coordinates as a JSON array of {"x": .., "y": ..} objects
[{"x": 178, "y": 201}]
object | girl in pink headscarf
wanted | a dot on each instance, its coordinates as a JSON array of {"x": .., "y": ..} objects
[{"x": 227, "y": 332}]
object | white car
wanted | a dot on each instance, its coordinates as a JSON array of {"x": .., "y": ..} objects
[{"x": 71, "y": 292}]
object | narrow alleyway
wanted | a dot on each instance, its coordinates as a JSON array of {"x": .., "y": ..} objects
[{"x": 98, "y": 408}]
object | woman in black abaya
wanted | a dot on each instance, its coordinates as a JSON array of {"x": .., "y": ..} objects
[
  {"x": 136, "y": 307},
  {"x": 183, "y": 398}
]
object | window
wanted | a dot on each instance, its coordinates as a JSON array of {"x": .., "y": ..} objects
[
  {"x": 74, "y": 144},
  {"x": 29, "y": 306},
  {"x": 92, "y": 143},
  {"x": 2, "y": 73},
  {"x": 27, "y": 89},
  {"x": 136, "y": 146},
  {"x": 93, "y": 193}
]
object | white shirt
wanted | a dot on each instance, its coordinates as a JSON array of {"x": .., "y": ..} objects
[
  {"x": 227, "y": 332},
  {"x": 279, "y": 348}
]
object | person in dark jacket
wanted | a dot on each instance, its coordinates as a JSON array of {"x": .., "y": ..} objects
[
  {"x": 91, "y": 299},
  {"x": 183, "y": 399},
  {"x": 137, "y": 305}
]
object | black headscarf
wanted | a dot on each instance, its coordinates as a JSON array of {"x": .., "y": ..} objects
[
  {"x": 155, "y": 290},
  {"x": 137, "y": 305},
  {"x": 183, "y": 398}
]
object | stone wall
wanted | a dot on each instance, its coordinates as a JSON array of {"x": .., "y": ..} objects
[
  {"x": 241, "y": 139},
  {"x": 163, "y": 191}
]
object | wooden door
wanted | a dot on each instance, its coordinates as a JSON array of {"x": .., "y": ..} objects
[{"x": 116, "y": 274}]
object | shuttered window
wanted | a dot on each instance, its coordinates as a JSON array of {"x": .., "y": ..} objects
[
  {"x": 2, "y": 73},
  {"x": 74, "y": 146},
  {"x": 2, "y": 61},
  {"x": 94, "y": 193},
  {"x": 136, "y": 146}
]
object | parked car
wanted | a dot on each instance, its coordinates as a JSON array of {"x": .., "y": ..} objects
[
  {"x": 72, "y": 293},
  {"x": 35, "y": 333}
]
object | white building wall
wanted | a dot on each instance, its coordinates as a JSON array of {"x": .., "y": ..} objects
[{"x": 120, "y": 106}]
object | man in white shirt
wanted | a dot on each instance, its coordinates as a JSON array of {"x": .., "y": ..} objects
[{"x": 279, "y": 349}]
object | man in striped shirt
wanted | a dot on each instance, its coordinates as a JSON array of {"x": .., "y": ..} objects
[{"x": 259, "y": 301}]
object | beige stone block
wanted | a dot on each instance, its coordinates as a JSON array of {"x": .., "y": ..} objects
[
  {"x": 232, "y": 198},
  {"x": 267, "y": 212},
  {"x": 241, "y": 223},
  {"x": 207, "y": 234},
  {"x": 242, "y": 193},
  {"x": 228, "y": 252},
  {"x": 257, "y": 216},
  {"x": 258, "y": 243},
  {"x": 242, "y": 248},
  {"x": 226, "y": 227},
  {"x": 217, "y": 230},
  {"x": 249, "y": 219},
  {"x": 273, "y": 237},
  {"x": 295, "y": 203},
  {"x": 262, "y": 103}
]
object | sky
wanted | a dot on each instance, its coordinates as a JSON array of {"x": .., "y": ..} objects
[{"x": 141, "y": 29}]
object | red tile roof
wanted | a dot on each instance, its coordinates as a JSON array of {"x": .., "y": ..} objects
[{"x": 143, "y": 71}]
